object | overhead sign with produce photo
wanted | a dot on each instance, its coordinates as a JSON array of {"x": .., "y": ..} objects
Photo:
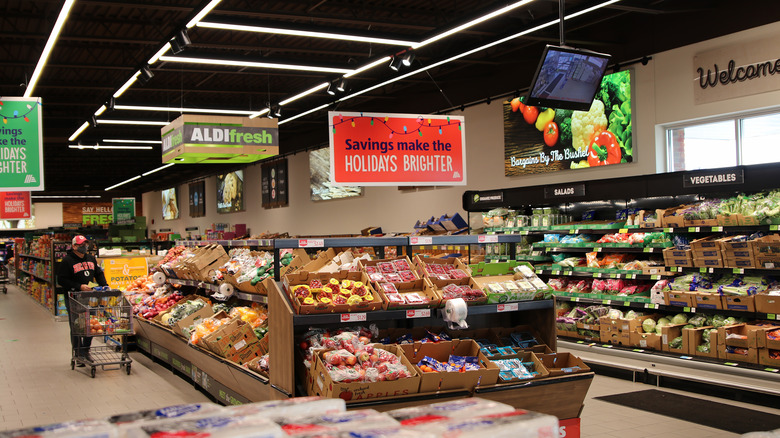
[
  {"x": 378, "y": 149},
  {"x": 21, "y": 144},
  {"x": 540, "y": 140}
]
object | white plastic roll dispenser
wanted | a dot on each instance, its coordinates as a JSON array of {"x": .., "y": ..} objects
[
  {"x": 158, "y": 278},
  {"x": 455, "y": 313}
]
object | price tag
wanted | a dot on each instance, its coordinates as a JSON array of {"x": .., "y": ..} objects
[
  {"x": 675, "y": 269},
  {"x": 417, "y": 313},
  {"x": 668, "y": 230},
  {"x": 711, "y": 270},
  {"x": 638, "y": 350},
  {"x": 647, "y": 250},
  {"x": 774, "y": 227},
  {"x": 717, "y": 229},
  {"x": 686, "y": 357},
  {"x": 607, "y": 346},
  {"x": 491, "y": 232},
  {"x": 772, "y": 316},
  {"x": 511, "y": 231},
  {"x": 421, "y": 240},
  {"x": 510, "y": 307},
  {"x": 540, "y": 271},
  {"x": 311, "y": 243},
  {"x": 524, "y": 232},
  {"x": 487, "y": 238},
  {"x": 573, "y": 231},
  {"x": 631, "y": 276},
  {"x": 694, "y": 229},
  {"x": 686, "y": 309},
  {"x": 731, "y": 364},
  {"x": 693, "y": 310},
  {"x": 580, "y": 342},
  {"x": 576, "y": 299},
  {"x": 597, "y": 275},
  {"x": 597, "y": 249},
  {"x": 703, "y": 270},
  {"x": 253, "y": 243},
  {"x": 494, "y": 261},
  {"x": 613, "y": 275},
  {"x": 771, "y": 370},
  {"x": 606, "y": 302},
  {"x": 353, "y": 317},
  {"x": 655, "y": 277},
  {"x": 738, "y": 271},
  {"x": 556, "y": 272},
  {"x": 623, "y": 230}
]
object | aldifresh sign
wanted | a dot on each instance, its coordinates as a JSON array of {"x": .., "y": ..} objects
[
  {"x": 21, "y": 144},
  {"x": 379, "y": 149},
  {"x": 736, "y": 70},
  {"x": 217, "y": 139}
]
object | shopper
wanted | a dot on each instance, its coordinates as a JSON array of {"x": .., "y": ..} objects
[{"x": 77, "y": 269}]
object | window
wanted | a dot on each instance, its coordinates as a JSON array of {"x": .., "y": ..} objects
[{"x": 747, "y": 140}]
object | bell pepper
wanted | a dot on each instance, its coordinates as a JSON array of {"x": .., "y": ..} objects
[
  {"x": 604, "y": 149},
  {"x": 544, "y": 117}
]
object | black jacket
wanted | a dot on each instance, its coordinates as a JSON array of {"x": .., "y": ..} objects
[{"x": 75, "y": 271}]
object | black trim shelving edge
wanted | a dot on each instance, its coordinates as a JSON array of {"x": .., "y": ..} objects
[
  {"x": 30, "y": 256},
  {"x": 574, "y": 229},
  {"x": 603, "y": 275},
  {"x": 47, "y": 280}
]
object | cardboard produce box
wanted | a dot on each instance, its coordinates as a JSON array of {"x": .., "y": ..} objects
[
  {"x": 303, "y": 277},
  {"x": 615, "y": 337},
  {"x": 695, "y": 339},
  {"x": 739, "y": 262},
  {"x": 739, "y": 302},
  {"x": 737, "y": 354},
  {"x": 432, "y": 382},
  {"x": 678, "y": 298},
  {"x": 767, "y": 251},
  {"x": 621, "y": 324},
  {"x": 708, "y": 262},
  {"x": 528, "y": 358},
  {"x": 231, "y": 338},
  {"x": 517, "y": 337},
  {"x": 299, "y": 260},
  {"x": 559, "y": 364},
  {"x": 323, "y": 386},
  {"x": 762, "y": 337},
  {"x": 709, "y": 243},
  {"x": 678, "y": 257},
  {"x": 671, "y": 332},
  {"x": 650, "y": 218},
  {"x": 397, "y": 264},
  {"x": 748, "y": 335},
  {"x": 650, "y": 341},
  {"x": 671, "y": 218},
  {"x": 706, "y": 300},
  {"x": 422, "y": 287},
  {"x": 769, "y": 357},
  {"x": 766, "y": 303}
]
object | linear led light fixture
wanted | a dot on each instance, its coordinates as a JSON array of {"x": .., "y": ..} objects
[
  {"x": 304, "y": 94},
  {"x": 64, "y": 197},
  {"x": 306, "y": 33},
  {"x": 161, "y": 52},
  {"x": 203, "y": 12},
  {"x": 271, "y": 65},
  {"x": 368, "y": 66},
  {"x": 181, "y": 110},
  {"x": 456, "y": 57},
  {"x": 116, "y": 140},
  {"x": 55, "y": 33},
  {"x": 79, "y": 131},
  {"x": 124, "y": 182},
  {"x": 130, "y": 122},
  {"x": 100, "y": 110},
  {"x": 158, "y": 169},
  {"x": 259, "y": 113},
  {"x": 98, "y": 147},
  {"x": 471, "y": 23},
  {"x": 127, "y": 85}
]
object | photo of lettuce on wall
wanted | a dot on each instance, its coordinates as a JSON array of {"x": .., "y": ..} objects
[{"x": 540, "y": 140}]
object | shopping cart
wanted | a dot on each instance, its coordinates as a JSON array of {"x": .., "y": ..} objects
[{"x": 100, "y": 314}]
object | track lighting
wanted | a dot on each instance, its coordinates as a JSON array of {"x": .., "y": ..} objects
[
  {"x": 94, "y": 121},
  {"x": 180, "y": 41},
  {"x": 146, "y": 75},
  {"x": 407, "y": 59},
  {"x": 331, "y": 89},
  {"x": 395, "y": 63},
  {"x": 276, "y": 111},
  {"x": 111, "y": 104},
  {"x": 341, "y": 85}
]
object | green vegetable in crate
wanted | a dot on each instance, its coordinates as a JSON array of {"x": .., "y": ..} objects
[
  {"x": 676, "y": 343},
  {"x": 698, "y": 321},
  {"x": 703, "y": 348},
  {"x": 662, "y": 322},
  {"x": 260, "y": 332},
  {"x": 648, "y": 325},
  {"x": 707, "y": 333},
  {"x": 680, "y": 318},
  {"x": 689, "y": 326}
]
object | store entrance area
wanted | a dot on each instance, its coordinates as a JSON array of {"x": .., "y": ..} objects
[{"x": 38, "y": 387}]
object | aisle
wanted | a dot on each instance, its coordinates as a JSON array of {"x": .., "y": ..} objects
[{"x": 37, "y": 385}]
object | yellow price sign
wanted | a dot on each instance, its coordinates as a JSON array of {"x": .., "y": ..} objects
[{"x": 121, "y": 272}]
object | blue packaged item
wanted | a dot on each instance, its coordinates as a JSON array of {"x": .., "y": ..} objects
[
  {"x": 445, "y": 337},
  {"x": 506, "y": 375},
  {"x": 681, "y": 242},
  {"x": 463, "y": 360},
  {"x": 552, "y": 238},
  {"x": 589, "y": 215},
  {"x": 405, "y": 339},
  {"x": 506, "y": 351}
]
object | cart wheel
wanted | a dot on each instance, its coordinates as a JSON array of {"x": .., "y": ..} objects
[
  {"x": 128, "y": 369},
  {"x": 72, "y": 364},
  {"x": 93, "y": 372}
]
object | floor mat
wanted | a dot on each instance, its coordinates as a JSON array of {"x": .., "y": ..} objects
[{"x": 704, "y": 412}]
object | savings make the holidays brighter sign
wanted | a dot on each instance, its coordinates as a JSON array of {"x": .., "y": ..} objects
[
  {"x": 21, "y": 144},
  {"x": 375, "y": 149}
]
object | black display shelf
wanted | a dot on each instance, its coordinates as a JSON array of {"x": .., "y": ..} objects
[
  {"x": 195, "y": 283},
  {"x": 340, "y": 242},
  {"x": 694, "y": 270},
  {"x": 30, "y": 256},
  {"x": 583, "y": 229},
  {"x": 400, "y": 314},
  {"x": 228, "y": 243},
  {"x": 598, "y": 248},
  {"x": 604, "y": 275},
  {"x": 255, "y": 298},
  {"x": 665, "y": 308}
]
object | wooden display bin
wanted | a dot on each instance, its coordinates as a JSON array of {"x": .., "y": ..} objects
[
  {"x": 304, "y": 277},
  {"x": 559, "y": 364},
  {"x": 695, "y": 338},
  {"x": 432, "y": 382},
  {"x": 649, "y": 341}
]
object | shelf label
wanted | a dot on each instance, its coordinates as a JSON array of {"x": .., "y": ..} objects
[
  {"x": 510, "y": 307},
  {"x": 311, "y": 243},
  {"x": 771, "y": 370},
  {"x": 607, "y": 346},
  {"x": 353, "y": 317},
  {"x": 686, "y": 357},
  {"x": 556, "y": 272},
  {"x": 717, "y": 229},
  {"x": 731, "y": 364},
  {"x": 606, "y": 302},
  {"x": 573, "y": 231},
  {"x": 487, "y": 239},
  {"x": 655, "y": 277},
  {"x": 636, "y": 350},
  {"x": 631, "y": 276},
  {"x": 421, "y": 240},
  {"x": 418, "y": 313},
  {"x": 623, "y": 231},
  {"x": 738, "y": 271},
  {"x": 524, "y": 232},
  {"x": 675, "y": 269},
  {"x": 703, "y": 270},
  {"x": 651, "y": 306},
  {"x": 694, "y": 229},
  {"x": 580, "y": 342},
  {"x": 539, "y": 271},
  {"x": 774, "y": 228},
  {"x": 613, "y": 275},
  {"x": 771, "y": 316},
  {"x": 576, "y": 299},
  {"x": 686, "y": 309},
  {"x": 597, "y": 249},
  {"x": 668, "y": 230},
  {"x": 647, "y": 250},
  {"x": 253, "y": 243}
]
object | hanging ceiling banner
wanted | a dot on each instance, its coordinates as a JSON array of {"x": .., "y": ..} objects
[
  {"x": 198, "y": 139},
  {"x": 378, "y": 149},
  {"x": 15, "y": 205},
  {"x": 21, "y": 144}
]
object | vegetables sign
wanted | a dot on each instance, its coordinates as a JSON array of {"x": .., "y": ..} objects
[{"x": 539, "y": 140}]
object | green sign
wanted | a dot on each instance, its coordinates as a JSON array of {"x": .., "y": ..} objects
[
  {"x": 124, "y": 210},
  {"x": 21, "y": 144}
]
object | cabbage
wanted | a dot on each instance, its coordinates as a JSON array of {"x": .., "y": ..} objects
[
  {"x": 630, "y": 315},
  {"x": 689, "y": 326},
  {"x": 703, "y": 348},
  {"x": 615, "y": 314},
  {"x": 730, "y": 321},
  {"x": 648, "y": 325},
  {"x": 706, "y": 334},
  {"x": 680, "y": 318},
  {"x": 662, "y": 322},
  {"x": 676, "y": 343},
  {"x": 698, "y": 321}
]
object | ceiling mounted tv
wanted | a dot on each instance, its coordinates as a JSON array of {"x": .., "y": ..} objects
[{"x": 567, "y": 78}]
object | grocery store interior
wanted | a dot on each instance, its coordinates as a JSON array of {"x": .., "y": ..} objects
[{"x": 502, "y": 217}]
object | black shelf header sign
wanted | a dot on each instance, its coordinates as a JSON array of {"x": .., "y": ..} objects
[
  {"x": 714, "y": 177},
  {"x": 566, "y": 191}
]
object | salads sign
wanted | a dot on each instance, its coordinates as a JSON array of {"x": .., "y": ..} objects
[
  {"x": 541, "y": 140},
  {"x": 736, "y": 70},
  {"x": 21, "y": 144},
  {"x": 373, "y": 149}
]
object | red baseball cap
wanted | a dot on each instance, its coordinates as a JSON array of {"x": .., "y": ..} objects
[{"x": 78, "y": 240}]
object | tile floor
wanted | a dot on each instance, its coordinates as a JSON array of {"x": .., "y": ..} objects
[{"x": 37, "y": 385}]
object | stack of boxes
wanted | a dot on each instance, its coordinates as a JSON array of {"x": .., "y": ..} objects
[{"x": 135, "y": 232}]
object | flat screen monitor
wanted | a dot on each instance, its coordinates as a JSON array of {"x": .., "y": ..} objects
[
  {"x": 170, "y": 204},
  {"x": 567, "y": 78}
]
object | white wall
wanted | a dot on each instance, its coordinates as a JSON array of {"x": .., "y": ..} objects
[
  {"x": 48, "y": 214},
  {"x": 666, "y": 80}
]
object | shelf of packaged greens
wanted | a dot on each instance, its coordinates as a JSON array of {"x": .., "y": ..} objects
[
  {"x": 584, "y": 229},
  {"x": 644, "y": 303},
  {"x": 400, "y": 314},
  {"x": 227, "y": 243},
  {"x": 606, "y": 247},
  {"x": 30, "y": 256},
  {"x": 683, "y": 270},
  {"x": 600, "y": 273},
  {"x": 36, "y": 276}
]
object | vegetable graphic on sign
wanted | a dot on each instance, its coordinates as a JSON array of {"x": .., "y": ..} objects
[
  {"x": 604, "y": 150},
  {"x": 551, "y": 134}
]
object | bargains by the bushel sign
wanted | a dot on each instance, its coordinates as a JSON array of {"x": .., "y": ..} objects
[
  {"x": 21, "y": 144},
  {"x": 373, "y": 149}
]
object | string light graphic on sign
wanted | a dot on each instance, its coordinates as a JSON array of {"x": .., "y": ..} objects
[
  {"x": 16, "y": 115},
  {"x": 421, "y": 123}
]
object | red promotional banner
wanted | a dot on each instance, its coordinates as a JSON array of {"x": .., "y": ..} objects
[
  {"x": 15, "y": 205},
  {"x": 374, "y": 149}
]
